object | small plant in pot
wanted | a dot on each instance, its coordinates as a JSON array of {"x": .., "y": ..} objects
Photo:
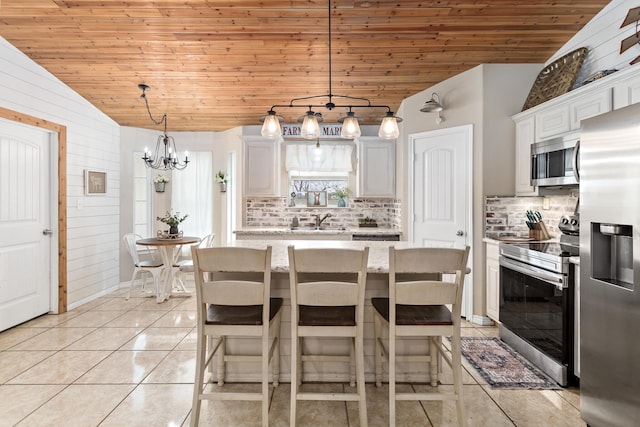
[
  {"x": 342, "y": 193},
  {"x": 172, "y": 220},
  {"x": 159, "y": 182},
  {"x": 222, "y": 178}
]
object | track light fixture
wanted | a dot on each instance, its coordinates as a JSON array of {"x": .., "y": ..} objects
[
  {"x": 165, "y": 156},
  {"x": 350, "y": 123}
]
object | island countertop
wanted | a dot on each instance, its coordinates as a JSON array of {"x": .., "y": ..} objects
[{"x": 378, "y": 251}]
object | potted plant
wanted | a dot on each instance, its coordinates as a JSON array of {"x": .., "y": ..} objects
[
  {"x": 367, "y": 222},
  {"x": 342, "y": 193},
  {"x": 222, "y": 178},
  {"x": 159, "y": 182},
  {"x": 172, "y": 220}
]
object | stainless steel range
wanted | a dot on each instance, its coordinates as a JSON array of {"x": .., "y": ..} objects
[{"x": 537, "y": 303}]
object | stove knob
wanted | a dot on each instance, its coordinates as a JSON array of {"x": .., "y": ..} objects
[
  {"x": 564, "y": 221},
  {"x": 574, "y": 222}
]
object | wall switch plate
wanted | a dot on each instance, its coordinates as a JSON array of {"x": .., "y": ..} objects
[{"x": 512, "y": 219}]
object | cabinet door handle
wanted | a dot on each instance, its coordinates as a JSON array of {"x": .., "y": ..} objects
[
  {"x": 47, "y": 232},
  {"x": 459, "y": 233}
]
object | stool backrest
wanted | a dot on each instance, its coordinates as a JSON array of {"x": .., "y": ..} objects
[
  {"x": 232, "y": 276},
  {"x": 327, "y": 277},
  {"x": 427, "y": 276}
]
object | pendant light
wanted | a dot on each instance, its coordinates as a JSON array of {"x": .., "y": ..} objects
[
  {"x": 350, "y": 126},
  {"x": 271, "y": 125},
  {"x": 389, "y": 126},
  {"x": 311, "y": 128}
]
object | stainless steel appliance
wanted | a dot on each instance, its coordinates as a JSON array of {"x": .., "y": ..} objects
[
  {"x": 555, "y": 162},
  {"x": 610, "y": 269},
  {"x": 537, "y": 304}
]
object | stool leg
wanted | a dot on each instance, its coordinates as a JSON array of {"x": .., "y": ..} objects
[
  {"x": 434, "y": 355},
  {"x": 360, "y": 374},
  {"x": 295, "y": 381},
  {"x": 352, "y": 362},
  {"x": 377, "y": 327},
  {"x": 199, "y": 380},
  {"x": 221, "y": 362},
  {"x": 457, "y": 377}
]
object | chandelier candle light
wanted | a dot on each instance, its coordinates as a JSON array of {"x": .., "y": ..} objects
[
  {"x": 165, "y": 156},
  {"x": 310, "y": 128}
]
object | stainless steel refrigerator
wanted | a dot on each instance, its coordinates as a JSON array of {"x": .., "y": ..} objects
[{"x": 610, "y": 269}]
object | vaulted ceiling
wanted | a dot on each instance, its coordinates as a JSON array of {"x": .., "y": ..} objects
[{"x": 216, "y": 64}]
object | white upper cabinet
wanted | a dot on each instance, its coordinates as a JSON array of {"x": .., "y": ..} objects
[
  {"x": 552, "y": 122},
  {"x": 525, "y": 131},
  {"x": 376, "y": 167},
  {"x": 626, "y": 91},
  {"x": 261, "y": 166}
]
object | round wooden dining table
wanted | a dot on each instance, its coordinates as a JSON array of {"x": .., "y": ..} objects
[{"x": 169, "y": 250}]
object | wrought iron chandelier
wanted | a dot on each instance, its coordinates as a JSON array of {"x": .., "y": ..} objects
[
  {"x": 165, "y": 156},
  {"x": 310, "y": 128}
]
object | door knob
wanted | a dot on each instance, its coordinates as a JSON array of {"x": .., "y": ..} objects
[
  {"x": 459, "y": 233},
  {"x": 47, "y": 232}
]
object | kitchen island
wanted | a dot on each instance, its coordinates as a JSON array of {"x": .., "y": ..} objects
[{"x": 377, "y": 286}]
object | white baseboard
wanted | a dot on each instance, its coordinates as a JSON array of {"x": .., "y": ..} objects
[
  {"x": 93, "y": 297},
  {"x": 482, "y": 320}
]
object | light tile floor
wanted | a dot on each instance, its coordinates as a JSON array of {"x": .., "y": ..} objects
[{"x": 114, "y": 362}]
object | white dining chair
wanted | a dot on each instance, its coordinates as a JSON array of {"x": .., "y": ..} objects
[{"x": 149, "y": 265}]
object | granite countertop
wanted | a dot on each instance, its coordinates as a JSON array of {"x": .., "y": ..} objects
[
  {"x": 378, "y": 251},
  {"x": 274, "y": 231}
]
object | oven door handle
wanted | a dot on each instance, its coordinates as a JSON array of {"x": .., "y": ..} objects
[{"x": 557, "y": 280}]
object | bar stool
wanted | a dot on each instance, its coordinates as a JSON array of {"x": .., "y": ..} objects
[
  {"x": 327, "y": 300},
  {"x": 419, "y": 291},
  {"x": 233, "y": 287}
]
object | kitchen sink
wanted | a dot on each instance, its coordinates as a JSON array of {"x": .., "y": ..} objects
[{"x": 307, "y": 229}]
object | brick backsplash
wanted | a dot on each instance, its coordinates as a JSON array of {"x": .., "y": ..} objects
[
  {"x": 506, "y": 216},
  {"x": 274, "y": 212}
]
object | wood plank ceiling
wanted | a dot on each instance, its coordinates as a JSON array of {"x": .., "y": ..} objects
[{"x": 216, "y": 64}]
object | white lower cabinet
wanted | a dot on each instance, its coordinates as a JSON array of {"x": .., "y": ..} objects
[
  {"x": 492, "y": 271},
  {"x": 576, "y": 320}
]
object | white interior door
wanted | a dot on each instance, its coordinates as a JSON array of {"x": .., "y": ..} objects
[
  {"x": 25, "y": 213},
  {"x": 441, "y": 192}
]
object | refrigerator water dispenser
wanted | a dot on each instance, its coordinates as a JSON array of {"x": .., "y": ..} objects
[{"x": 612, "y": 254}]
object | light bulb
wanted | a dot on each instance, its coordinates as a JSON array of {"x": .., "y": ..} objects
[
  {"x": 389, "y": 127},
  {"x": 350, "y": 127},
  {"x": 310, "y": 128},
  {"x": 271, "y": 126}
]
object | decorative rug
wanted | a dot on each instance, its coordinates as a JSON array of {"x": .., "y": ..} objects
[{"x": 501, "y": 366}]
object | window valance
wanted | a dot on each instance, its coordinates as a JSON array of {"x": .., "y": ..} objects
[{"x": 326, "y": 158}]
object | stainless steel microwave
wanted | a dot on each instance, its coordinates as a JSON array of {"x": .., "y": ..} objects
[{"x": 556, "y": 162}]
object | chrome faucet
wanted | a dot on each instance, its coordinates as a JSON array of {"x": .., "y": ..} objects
[{"x": 320, "y": 220}]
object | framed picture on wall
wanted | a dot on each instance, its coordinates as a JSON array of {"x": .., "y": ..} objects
[
  {"x": 95, "y": 183},
  {"x": 316, "y": 198}
]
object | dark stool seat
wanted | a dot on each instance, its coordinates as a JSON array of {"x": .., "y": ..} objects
[
  {"x": 414, "y": 314},
  {"x": 240, "y": 315},
  {"x": 327, "y": 316}
]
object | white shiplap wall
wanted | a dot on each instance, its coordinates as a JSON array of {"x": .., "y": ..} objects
[
  {"x": 93, "y": 142},
  {"x": 602, "y": 36}
]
